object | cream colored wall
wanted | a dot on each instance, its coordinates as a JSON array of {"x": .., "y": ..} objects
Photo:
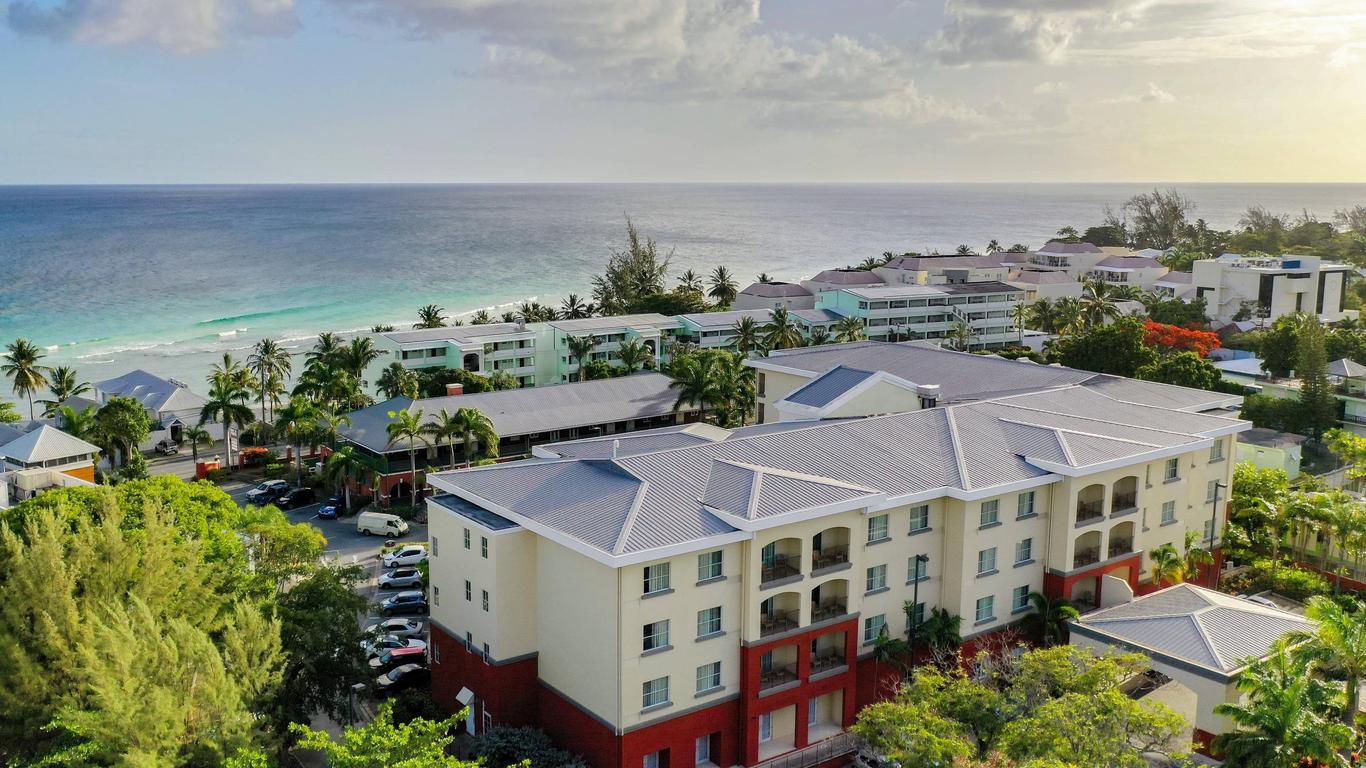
[
  {"x": 963, "y": 586},
  {"x": 776, "y": 387},
  {"x": 880, "y": 398},
  {"x": 577, "y": 628},
  {"x": 680, "y": 608},
  {"x": 1208, "y": 693}
]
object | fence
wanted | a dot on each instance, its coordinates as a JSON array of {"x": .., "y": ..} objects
[{"x": 820, "y": 752}]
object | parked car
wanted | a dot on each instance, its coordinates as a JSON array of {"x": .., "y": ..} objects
[
  {"x": 331, "y": 508},
  {"x": 401, "y": 627},
  {"x": 382, "y": 523},
  {"x": 388, "y": 642},
  {"x": 296, "y": 497},
  {"x": 400, "y": 578},
  {"x": 401, "y": 678},
  {"x": 393, "y": 657},
  {"x": 267, "y": 492},
  {"x": 411, "y": 601},
  {"x": 409, "y": 555},
  {"x": 167, "y": 447}
]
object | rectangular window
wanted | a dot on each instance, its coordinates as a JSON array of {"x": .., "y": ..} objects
[
  {"x": 986, "y": 560},
  {"x": 469, "y": 642},
  {"x": 873, "y": 626},
  {"x": 467, "y": 538},
  {"x": 876, "y": 578},
  {"x": 656, "y": 578},
  {"x": 436, "y": 547},
  {"x": 1168, "y": 512},
  {"x": 654, "y": 692},
  {"x": 1216, "y": 451},
  {"x": 702, "y": 752},
  {"x": 469, "y": 592},
  {"x": 1211, "y": 491},
  {"x": 1209, "y": 530},
  {"x": 766, "y": 727},
  {"x": 484, "y": 598},
  {"x": 918, "y": 614},
  {"x": 916, "y": 569},
  {"x": 1019, "y": 599},
  {"x": 709, "y": 676},
  {"x": 709, "y": 565},
  {"x": 990, "y": 513},
  {"x": 436, "y": 595},
  {"x": 877, "y": 528},
  {"x": 484, "y": 547},
  {"x": 1024, "y": 504},
  {"x": 709, "y": 621},
  {"x": 654, "y": 760},
  {"x": 813, "y": 709},
  {"x": 920, "y": 518},
  {"x": 487, "y": 655},
  {"x": 656, "y": 635},
  {"x": 1024, "y": 551},
  {"x": 1170, "y": 473},
  {"x": 986, "y": 608}
]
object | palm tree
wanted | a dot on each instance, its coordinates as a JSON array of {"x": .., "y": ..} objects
[
  {"x": 994, "y": 247},
  {"x": 196, "y": 436},
  {"x": 1020, "y": 314},
  {"x": 330, "y": 423},
  {"x": 482, "y": 317},
  {"x": 690, "y": 375},
  {"x": 1043, "y": 315},
  {"x": 690, "y": 281},
  {"x": 722, "y": 287},
  {"x": 1282, "y": 719},
  {"x": 430, "y": 316},
  {"x": 1097, "y": 303},
  {"x": 763, "y": 277},
  {"x": 445, "y": 427},
  {"x": 342, "y": 466},
  {"x": 572, "y": 308},
  {"x": 580, "y": 347},
  {"x": 227, "y": 404},
  {"x": 299, "y": 422},
  {"x": 869, "y": 264},
  {"x": 731, "y": 389},
  {"x": 83, "y": 424},
  {"x": 1338, "y": 644},
  {"x": 397, "y": 381},
  {"x": 960, "y": 334},
  {"x": 940, "y": 630},
  {"x": 850, "y": 329},
  {"x": 268, "y": 360},
  {"x": 1069, "y": 316},
  {"x": 1167, "y": 566},
  {"x": 819, "y": 335},
  {"x": 64, "y": 385},
  {"x": 746, "y": 337},
  {"x": 1194, "y": 557},
  {"x": 407, "y": 425},
  {"x": 381, "y": 328},
  {"x": 781, "y": 331},
  {"x": 324, "y": 351},
  {"x": 1050, "y": 616},
  {"x": 634, "y": 355},
  {"x": 20, "y": 364},
  {"x": 476, "y": 428}
]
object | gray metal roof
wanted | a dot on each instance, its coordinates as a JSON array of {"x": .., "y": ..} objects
[
  {"x": 631, "y": 443},
  {"x": 1129, "y": 262},
  {"x": 1346, "y": 369},
  {"x": 1030, "y": 277},
  {"x": 46, "y": 443},
  {"x": 714, "y": 320},
  {"x": 775, "y": 290},
  {"x": 816, "y": 315},
  {"x": 1058, "y": 246},
  {"x": 847, "y": 277},
  {"x": 821, "y": 390},
  {"x": 758, "y": 492},
  {"x": 650, "y": 320},
  {"x": 1210, "y": 630},
  {"x": 1177, "y": 278},
  {"x": 530, "y": 411},
  {"x": 455, "y": 333},
  {"x": 156, "y": 394}
]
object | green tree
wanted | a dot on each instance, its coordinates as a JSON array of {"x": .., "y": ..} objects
[
  {"x": 397, "y": 381},
  {"x": 848, "y": 329},
  {"x": 1337, "y": 643},
  {"x": 1285, "y": 716},
  {"x": 268, "y": 360},
  {"x": 1318, "y": 404},
  {"x": 21, "y": 365},
  {"x": 430, "y": 316},
  {"x": 1093, "y": 728},
  {"x": 1050, "y": 616},
  {"x": 1157, "y": 219},
  {"x": 299, "y": 423},
  {"x": 634, "y": 355},
  {"x": 122, "y": 424},
  {"x": 1184, "y": 369},
  {"x": 573, "y": 307},
  {"x": 321, "y": 636},
  {"x": 1279, "y": 346},
  {"x": 342, "y": 466},
  {"x": 781, "y": 331},
  {"x": 909, "y": 733},
  {"x": 476, "y": 428},
  {"x": 746, "y": 336},
  {"x": 83, "y": 424},
  {"x": 580, "y": 349},
  {"x": 63, "y": 384},
  {"x": 383, "y": 744},
  {"x": 722, "y": 287},
  {"x": 1116, "y": 348},
  {"x": 1166, "y": 565},
  {"x": 226, "y": 404},
  {"x": 632, "y": 275},
  {"x": 279, "y": 550},
  {"x": 196, "y": 436},
  {"x": 407, "y": 425}
]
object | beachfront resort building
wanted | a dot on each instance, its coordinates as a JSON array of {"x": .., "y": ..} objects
[
  {"x": 169, "y": 403},
  {"x": 775, "y": 295},
  {"x": 704, "y": 596},
  {"x": 1348, "y": 378},
  {"x": 937, "y": 270},
  {"x": 507, "y": 347},
  {"x": 655, "y": 332},
  {"x": 931, "y": 311},
  {"x": 1141, "y": 272},
  {"x": 1268, "y": 288}
]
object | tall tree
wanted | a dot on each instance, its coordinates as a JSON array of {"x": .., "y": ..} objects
[
  {"x": 634, "y": 355},
  {"x": 196, "y": 436},
  {"x": 397, "y": 381},
  {"x": 1338, "y": 643},
  {"x": 722, "y": 287},
  {"x": 357, "y": 355},
  {"x": 746, "y": 336},
  {"x": 1283, "y": 717},
  {"x": 268, "y": 360},
  {"x": 299, "y": 423},
  {"x": 21, "y": 364},
  {"x": 849, "y": 329},
  {"x": 381, "y": 743},
  {"x": 573, "y": 308},
  {"x": 690, "y": 281},
  {"x": 63, "y": 384},
  {"x": 123, "y": 424},
  {"x": 580, "y": 348},
  {"x": 781, "y": 331},
  {"x": 322, "y": 640},
  {"x": 1318, "y": 404},
  {"x": 1158, "y": 218},
  {"x": 407, "y": 425},
  {"x": 476, "y": 428},
  {"x": 430, "y": 316},
  {"x": 226, "y": 404},
  {"x": 1050, "y": 616},
  {"x": 343, "y": 466},
  {"x": 83, "y": 424},
  {"x": 632, "y": 274}
]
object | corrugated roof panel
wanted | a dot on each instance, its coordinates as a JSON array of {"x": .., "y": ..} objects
[
  {"x": 825, "y": 388},
  {"x": 780, "y": 494},
  {"x": 729, "y": 488}
]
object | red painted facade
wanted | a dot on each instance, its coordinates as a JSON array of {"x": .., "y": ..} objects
[
  {"x": 507, "y": 692},
  {"x": 1056, "y": 585}
]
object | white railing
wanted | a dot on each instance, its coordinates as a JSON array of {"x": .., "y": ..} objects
[{"x": 820, "y": 752}]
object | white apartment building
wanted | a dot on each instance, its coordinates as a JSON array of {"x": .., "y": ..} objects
[
  {"x": 1270, "y": 287},
  {"x": 937, "y": 270},
  {"x": 708, "y": 596},
  {"x": 509, "y": 347},
  {"x": 931, "y": 311},
  {"x": 1141, "y": 272}
]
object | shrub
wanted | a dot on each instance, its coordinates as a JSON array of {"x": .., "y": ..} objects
[
  {"x": 511, "y": 746},
  {"x": 413, "y": 704},
  {"x": 276, "y": 470},
  {"x": 216, "y": 475},
  {"x": 1293, "y": 581}
]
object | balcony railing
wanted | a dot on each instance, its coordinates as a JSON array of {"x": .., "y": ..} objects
[
  {"x": 778, "y": 569},
  {"x": 1090, "y": 510},
  {"x": 828, "y": 608},
  {"x": 1123, "y": 501},
  {"x": 826, "y": 660},
  {"x": 777, "y": 676},
  {"x": 1121, "y": 547},
  {"x": 829, "y": 557},
  {"x": 1086, "y": 557},
  {"x": 776, "y": 622},
  {"x": 816, "y": 754}
]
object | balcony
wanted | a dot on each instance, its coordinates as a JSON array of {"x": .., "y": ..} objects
[
  {"x": 828, "y": 608},
  {"x": 777, "y": 676},
  {"x": 1122, "y": 503},
  {"x": 776, "y": 570},
  {"x": 828, "y": 558},
  {"x": 1088, "y": 511},
  {"x": 1085, "y": 557},
  {"x": 1121, "y": 547},
  {"x": 777, "y": 622},
  {"x": 826, "y": 661}
]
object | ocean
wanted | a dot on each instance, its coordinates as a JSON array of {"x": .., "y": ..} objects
[{"x": 168, "y": 278}]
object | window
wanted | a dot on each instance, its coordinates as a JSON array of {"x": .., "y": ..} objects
[
  {"x": 484, "y": 547},
  {"x": 436, "y": 595},
  {"x": 656, "y": 635},
  {"x": 920, "y": 518},
  {"x": 702, "y": 752},
  {"x": 1168, "y": 512},
  {"x": 877, "y": 528},
  {"x": 1211, "y": 491},
  {"x": 813, "y": 711},
  {"x": 487, "y": 655},
  {"x": 990, "y": 513},
  {"x": 436, "y": 547},
  {"x": 873, "y": 626},
  {"x": 918, "y": 615},
  {"x": 916, "y": 569},
  {"x": 1024, "y": 504},
  {"x": 467, "y": 538},
  {"x": 986, "y": 608},
  {"x": 876, "y": 578},
  {"x": 469, "y": 642},
  {"x": 1216, "y": 451},
  {"x": 1170, "y": 473},
  {"x": 469, "y": 592},
  {"x": 766, "y": 727},
  {"x": 484, "y": 598},
  {"x": 709, "y": 565},
  {"x": 1019, "y": 599},
  {"x": 709, "y": 677},
  {"x": 986, "y": 560},
  {"x": 1024, "y": 551},
  {"x": 656, "y": 578},
  {"x": 1209, "y": 530},
  {"x": 655, "y": 760},
  {"x": 709, "y": 621},
  {"x": 654, "y": 692}
]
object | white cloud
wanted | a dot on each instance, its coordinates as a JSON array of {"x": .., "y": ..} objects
[
  {"x": 1347, "y": 55},
  {"x": 1050, "y": 87},
  {"x": 1154, "y": 95},
  {"x": 180, "y": 25}
]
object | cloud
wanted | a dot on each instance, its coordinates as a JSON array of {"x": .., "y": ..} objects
[
  {"x": 1154, "y": 95},
  {"x": 1347, "y": 55},
  {"x": 1049, "y": 87},
  {"x": 179, "y": 25}
]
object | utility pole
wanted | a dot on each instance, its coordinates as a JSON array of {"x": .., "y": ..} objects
[
  {"x": 1213, "y": 529},
  {"x": 915, "y": 604}
]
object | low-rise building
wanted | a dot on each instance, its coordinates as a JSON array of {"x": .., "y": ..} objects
[
  {"x": 484, "y": 349},
  {"x": 835, "y": 279},
  {"x": 1077, "y": 260},
  {"x": 1347, "y": 376},
  {"x": 775, "y": 295},
  {"x": 931, "y": 311},
  {"x": 654, "y": 331},
  {"x": 1269, "y": 449},
  {"x": 1044, "y": 284},
  {"x": 169, "y": 403},
  {"x": 1141, "y": 272},
  {"x": 38, "y": 456},
  {"x": 711, "y": 330},
  {"x": 937, "y": 270},
  {"x": 1270, "y": 287},
  {"x": 1176, "y": 285}
]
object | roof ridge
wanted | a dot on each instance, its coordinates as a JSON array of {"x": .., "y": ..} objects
[
  {"x": 794, "y": 475},
  {"x": 1204, "y": 634},
  {"x": 954, "y": 445},
  {"x": 624, "y": 534},
  {"x": 1092, "y": 418}
]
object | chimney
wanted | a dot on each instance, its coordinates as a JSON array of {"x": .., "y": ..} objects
[
  {"x": 616, "y": 446},
  {"x": 455, "y": 389},
  {"x": 929, "y": 395}
]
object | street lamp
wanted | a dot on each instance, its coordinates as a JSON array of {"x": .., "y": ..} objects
[
  {"x": 1213, "y": 527},
  {"x": 915, "y": 604}
]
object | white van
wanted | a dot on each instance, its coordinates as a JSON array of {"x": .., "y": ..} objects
[{"x": 380, "y": 524}]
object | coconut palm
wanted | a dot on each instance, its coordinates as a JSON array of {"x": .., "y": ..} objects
[
  {"x": 64, "y": 385},
  {"x": 690, "y": 281},
  {"x": 1069, "y": 316},
  {"x": 445, "y": 427},
  {"x": 870, "y": 263},
  {"x": 763, "y": 277},
  {"x": 634, "y": 355},
  {"x": 475, "y": 428},
  {"x": 1342, "y": 518},
  {"x": 994, "y": 247},
  {"x": 227, "y": 404},
  {"x": 430, "y": 316},
  {"x": 83, "y": 424},
  {"x": 330, "y": 423},
  {"x": 731, "y": 389},
  {"x": 407, "y": 425},
  {"x": 381, "y": 328},
  {"x": 355, "y": 357},
  {"x": 1338, "y": 645},
  {"x": 1125, "y": 292},
  {"x": 324, "y": 351},
  {"x": 196, "y": 436},
  {"x": 572, "y": 308},
  {"x": 1098, "y": 303},
  {"x": 960, "y": 335},
  {"x": 850, "y": 329},
  {"x": 1166, "y": 564},
  {"x": 1020, "y": 314},
  {"x": 1194, "y": 557},
  {"x": 342, "y": 466},
  {"x": 268, "y": 360},
  {"x": 21, "y": 364},
  {"x": 397, "y": 381},
  {"x": 819, "y": 335},
  {"x": 580, "y": 348},
  {"x": 690, "y": 376},
  {"x": 722, "y": 287},
  {"x": 482, "y": 317},
  {"x": 1050, "y": 616},
  {"x": 1281, "y": 721},
  {"x": 746, "y": 335},
  {"x": 299, "y": 423},
  {"x": 781, "y": 331}
]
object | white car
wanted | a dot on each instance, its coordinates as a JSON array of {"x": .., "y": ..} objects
[
  {"x": 403, "y": 627},
  {"x": 400, "y": 578},
  {"x": 381, "y": 644},
  {"x": 409, "y": 555}
]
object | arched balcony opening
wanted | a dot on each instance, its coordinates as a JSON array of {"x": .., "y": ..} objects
[
  {"x": 470, "y": 362},
  {"x": 780, "y": 613},
  {"x": 1086, "y": 549},
  {"x": 778, "y": 666},
  {"x": 779, "y": 560},
  {"x": 830, "y": 600},
  {"x": 1091, "y": 503},
  {"x": 1124, "y": 496},
  {"x": 828, "y": 652},
  {"x": 1121, "y": 540},
  {"x": 829, "y": 550}
]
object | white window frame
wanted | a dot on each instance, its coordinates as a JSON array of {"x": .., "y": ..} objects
[
  {"x": 1024, "y": 504},
  {"x": 707, "y": 630},
  {"x": 877, "y": 523},
  {"x": 1019, "y": 601},
  {"x": 1172, "y": 469},
  {"x": 916, "y": 569},
  {"x": 920, "y": 514},
  {"x": 1168, "y": 507},
  {"x": 653, "y": 689},
  {"x": 701, "y": 750},
  {"x": 1024, "y": 550},
  {"x": 710, "y": 565},
  {"x": 986, "y": 560},
  {"x": 875, "y": 578},
  {"x": 710, "y": 673},
  {"x": 872, "y": 627},
  {"x": 656, "y": 578},
  {"x": 989, "y": 513},
  {"x": 765, "y": 727},
  {"x": 988, "y": 604},
  {"x": 1216, "y": 451},
  {"x": 654, "y": 635}
]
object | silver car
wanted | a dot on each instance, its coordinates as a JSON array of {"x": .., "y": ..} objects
[
  {"x": 400, "y": 578},
  {"x": 401, "y": 626}
]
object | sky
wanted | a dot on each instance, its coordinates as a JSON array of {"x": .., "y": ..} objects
[{"x": 279, "y": 91}]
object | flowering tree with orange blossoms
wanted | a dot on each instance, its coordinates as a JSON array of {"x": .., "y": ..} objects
[{"x": 1174, "y": 338}]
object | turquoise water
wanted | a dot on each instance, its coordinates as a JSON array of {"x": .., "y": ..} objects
[{"x": 168, "y": 278}]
